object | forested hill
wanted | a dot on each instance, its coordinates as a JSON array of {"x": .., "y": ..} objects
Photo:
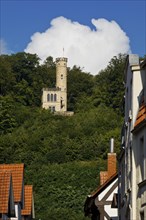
[{"x": 62, "y": 155}]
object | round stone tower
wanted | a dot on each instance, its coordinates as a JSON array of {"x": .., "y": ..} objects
[{"x": 61, "y": 73}]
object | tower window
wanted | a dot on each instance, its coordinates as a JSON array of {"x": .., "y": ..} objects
[
  {"x": 48, "y": 97},
  {"x": 61, "y": 76},
  {"x": 52, "y": 108},
  {"x": 55, "y": 97},
  {"x": 51, "y": 97}
]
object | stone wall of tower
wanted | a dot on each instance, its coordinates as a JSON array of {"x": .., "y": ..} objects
[
  {"x": 61, "y": 81},
  {"x": 61, "y": 73}
]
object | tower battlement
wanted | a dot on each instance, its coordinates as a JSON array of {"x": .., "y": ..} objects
[{"x": 61, "y": 59}]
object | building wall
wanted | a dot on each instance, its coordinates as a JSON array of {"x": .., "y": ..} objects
[
  {"x": 17, "y": 212},
  {"x": 131, "y": 196},
  {"x": 139, "y": 140},
  {"x": 4, "y": 217},
  {"x": 59, "y": 103}
]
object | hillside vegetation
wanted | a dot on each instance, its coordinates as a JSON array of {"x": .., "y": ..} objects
[{"x": 62, "y": 155}]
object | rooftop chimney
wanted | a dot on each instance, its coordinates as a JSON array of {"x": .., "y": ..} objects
[
  {"x": 112, "y": 146},
  {"x": 112, "y": 161},
  {"x": 111, "y": 164}
]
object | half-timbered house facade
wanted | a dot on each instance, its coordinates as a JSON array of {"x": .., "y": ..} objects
[{"x": 99, "y": 204}]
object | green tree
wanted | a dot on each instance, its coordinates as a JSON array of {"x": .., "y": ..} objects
[
  {"x": 7, "y": 118},
  {"x": 7, "y": 78},
  {"x": 109, "y": 86},
  {"x": 80, "y": 84}
]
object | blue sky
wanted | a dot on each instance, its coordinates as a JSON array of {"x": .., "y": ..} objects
[{"x": 21, "y": 19}]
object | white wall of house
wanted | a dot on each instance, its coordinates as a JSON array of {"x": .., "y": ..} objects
[
  {"x": 130, "y": 196},
  {"x": 132, "y": 90},
  {"x": 112, "y": 212},
  {"x": 17, "y": 212}
]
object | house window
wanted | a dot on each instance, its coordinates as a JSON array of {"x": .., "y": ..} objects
[
  {"x": 48, "y": 97},
  {"x": 130, "y": 171},
  {"x": 55, "y": 97},
  {"x": 122, "y": 180},
  {"x": 142, "y": 159},
  {"x": 142, "y": 216}
]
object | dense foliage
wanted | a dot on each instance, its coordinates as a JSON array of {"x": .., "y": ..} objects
[{"x": 62, "y": 155}]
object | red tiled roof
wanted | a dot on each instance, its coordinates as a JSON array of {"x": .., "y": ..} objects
[
  {"x": 104, "y": 185},
  {"x": 103, "y": 177},
  {"x": 28, "y": 189},
  {"x": 17, "y": 171},
  {"x": 141, "y": 116},
  {"x": 90, "y": 198},
  {"x": 5, "y": 180}
]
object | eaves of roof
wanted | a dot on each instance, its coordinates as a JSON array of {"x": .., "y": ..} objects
[
  {"x": 103, "y": 186},
  {"x": 141, "y": 118},
  {"x": 143, "y": 64},
  {"x": 90, "y": 198}
]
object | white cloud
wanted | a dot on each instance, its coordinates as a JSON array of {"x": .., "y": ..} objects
[
  {"x": 3, "y": 47},
  {"x": 84, "y": 47}
]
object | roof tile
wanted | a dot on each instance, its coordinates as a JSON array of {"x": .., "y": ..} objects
[
  {"x": 28, "y": 194},
  {"x": 17, "y": 171},
  {"x": 5, "y": 178},
  {"x": 141, "y": 116}
]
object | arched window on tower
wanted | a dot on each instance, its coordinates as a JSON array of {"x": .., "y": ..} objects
[
  {"x": 48, "y": 97},
  {"x": 55, "y": 97},
  {"x": 51, "y": 97}
]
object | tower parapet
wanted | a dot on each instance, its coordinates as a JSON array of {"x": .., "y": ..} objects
[{"x": 61, "y": 59}]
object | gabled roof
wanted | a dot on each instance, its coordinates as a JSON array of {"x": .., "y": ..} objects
[
  {"x": 90, "y": 198},
  {"x": 103, "y": 186},
  {"x": 5, "y": 181},
  {"x": 17, "y": 171},
  {"x": 28, "y": 196}
]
